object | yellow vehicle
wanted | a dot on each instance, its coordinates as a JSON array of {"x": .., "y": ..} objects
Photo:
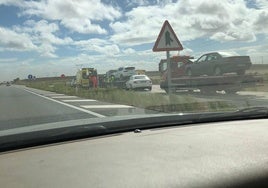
[{"x": 83, "y": 77}]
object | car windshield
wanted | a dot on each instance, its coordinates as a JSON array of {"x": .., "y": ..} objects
[{"x": 62, "y": 61}]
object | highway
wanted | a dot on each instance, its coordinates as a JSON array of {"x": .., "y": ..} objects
[{"x": 21, "y": 106}]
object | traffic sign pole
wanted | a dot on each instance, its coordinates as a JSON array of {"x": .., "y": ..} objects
[{"x": 168, "y": 72}]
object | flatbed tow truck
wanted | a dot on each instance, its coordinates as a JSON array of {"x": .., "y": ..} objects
[{"x": 179, "y": 81}]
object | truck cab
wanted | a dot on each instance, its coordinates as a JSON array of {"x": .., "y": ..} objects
[{"x": 178, "y": 66}]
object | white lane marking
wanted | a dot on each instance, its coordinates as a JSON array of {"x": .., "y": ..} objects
[
  {"x": 71, "y": 106},
  {"x": 78, "y": 100},
  {"x": 54, "y": 94},
  {"x": 106, "y": 106},
  {"x": 63, "y": 97}
]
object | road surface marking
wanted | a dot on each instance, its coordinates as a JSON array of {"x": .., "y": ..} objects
[
  {"x": 106, "y": 106},
  {"x": 63, "y": 97},
  {"x": 71, "y": 106},
  {"x": 78, "y": 100},
  {"x": 54, "y": 94}
]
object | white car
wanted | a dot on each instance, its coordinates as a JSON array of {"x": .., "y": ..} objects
[
  {"x": 124, "y": 72},
  {"x": 139, "y": 82}
]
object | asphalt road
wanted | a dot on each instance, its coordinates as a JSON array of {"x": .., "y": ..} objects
[{"x": 21, "y": 106}]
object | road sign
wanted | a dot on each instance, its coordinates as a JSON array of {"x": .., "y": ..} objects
[
  {"x": 30, "y": 76},
  {"x": 167, "y": 40}
]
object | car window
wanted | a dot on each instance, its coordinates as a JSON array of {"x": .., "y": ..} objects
[
  {"x": 202, "y": 59},
  {"x": 211, "y": 57}
]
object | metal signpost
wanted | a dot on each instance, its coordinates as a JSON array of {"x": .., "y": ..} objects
[{"x": 167, "y": 41}]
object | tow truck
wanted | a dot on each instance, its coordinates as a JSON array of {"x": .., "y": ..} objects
[{"x": 179, "y": 80}]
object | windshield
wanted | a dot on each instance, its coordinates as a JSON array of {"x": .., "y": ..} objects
[{"x": 73, "y": 60}]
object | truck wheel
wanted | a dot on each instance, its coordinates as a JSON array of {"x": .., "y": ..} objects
[
  {"x": 121, "y": 77},
  {"x": 150, "y": 88},
  {"x": 241, "y": 72},
  {"x": 217, "y": 71},
  {"x": 189, "y": 72}
]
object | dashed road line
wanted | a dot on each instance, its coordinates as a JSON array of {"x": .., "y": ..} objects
[
  {"x": 106, "y": 106},
  {"x": 63, "y": 97},
  {"x": 78, "y": 100},
  {"x": 54, "y": 94},
  {"x": 66, "y": 104}
]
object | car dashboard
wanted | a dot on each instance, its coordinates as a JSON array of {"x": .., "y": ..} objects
[{"x": 219, "y": 154}]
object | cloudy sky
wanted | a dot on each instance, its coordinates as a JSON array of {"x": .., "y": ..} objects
[{"x": 53, "y": 37}]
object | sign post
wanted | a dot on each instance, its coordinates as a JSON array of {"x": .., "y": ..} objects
[{"x": 167, "y": 41}]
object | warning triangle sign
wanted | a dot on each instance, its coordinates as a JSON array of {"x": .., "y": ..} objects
[{"x": 167, "y": 40}]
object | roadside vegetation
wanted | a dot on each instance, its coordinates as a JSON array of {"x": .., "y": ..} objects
[{"x": 146, "y": 100}]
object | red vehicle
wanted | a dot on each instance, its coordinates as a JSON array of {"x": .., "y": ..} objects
[{"x": 178, "y": 66}]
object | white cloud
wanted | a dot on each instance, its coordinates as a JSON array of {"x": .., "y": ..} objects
[
  {"x": 82, "y": 26},
  {"x": 8, "y": 60},
  {"x": 74, "y": 15},
  {"x": 221, "y": 20},
  {"x": 261, "y": 22},
  {"x": 12, "y": 2},
  {"x": 99, "y": 46},
  {"x": 15, "y": 41},
  {"x": 129, "y": 51},
  {"x": 43, "y": 35}
]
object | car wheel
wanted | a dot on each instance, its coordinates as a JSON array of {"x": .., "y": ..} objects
[
  {"x": 217, "y": 71},
  {"x": 189, "y": 72},
  {"x": 241, "y": 72}
]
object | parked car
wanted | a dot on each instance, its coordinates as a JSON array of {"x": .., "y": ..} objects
[
  {"x": 218, "y": 63},
  {"x": 139, "y": 82},
  {"x": 124, "y": 72},
  {"x": 8, "y": 84}
]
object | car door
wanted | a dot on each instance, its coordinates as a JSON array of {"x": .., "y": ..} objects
[
  {"x": 211, "y": 63},
  {"x": 199, "y": 66}
]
